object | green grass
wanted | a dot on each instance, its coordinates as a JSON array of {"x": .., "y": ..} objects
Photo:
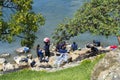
[{"x": 81, "y": 72}]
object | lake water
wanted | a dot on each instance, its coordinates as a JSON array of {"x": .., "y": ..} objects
[{"x": 54, "y": 12}]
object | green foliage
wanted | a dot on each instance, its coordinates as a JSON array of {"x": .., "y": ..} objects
[
  {"x": 80, "y": 72},
  {"x": 1, "y": 2},
  {"x": 23, "y": 23},
  {"x": 23, "y": 5},
  {"x": 100, "y": 17},
  {"x": 26, "y": 23}
]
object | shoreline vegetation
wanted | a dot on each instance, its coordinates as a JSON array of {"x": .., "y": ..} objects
[{"x": 81, "y": 71}]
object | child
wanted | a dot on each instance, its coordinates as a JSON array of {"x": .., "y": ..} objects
[{"x": 40, "y": 53}]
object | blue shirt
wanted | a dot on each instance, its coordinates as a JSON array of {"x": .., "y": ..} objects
[
  {"x": 40, "y": 52},
  {"x": 74, "y": 47}
]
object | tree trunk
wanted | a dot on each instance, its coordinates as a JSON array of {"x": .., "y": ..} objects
[{"x": 118, "y": 37}]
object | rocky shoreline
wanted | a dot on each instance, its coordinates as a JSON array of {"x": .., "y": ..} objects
[{"x": 20, "y": 62}]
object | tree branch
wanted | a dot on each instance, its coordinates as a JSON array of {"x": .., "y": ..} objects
[
  {"x": 21, "y": 36},
  {"x": 4, "y": 33},
  {"x": 10, "y": 6}
]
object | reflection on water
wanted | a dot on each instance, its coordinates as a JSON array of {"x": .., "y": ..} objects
[{"x": 54, "y": 12}]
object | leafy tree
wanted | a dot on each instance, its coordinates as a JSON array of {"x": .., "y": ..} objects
[
  {"x": 23, "y": 22},
  {"x": 99, "y": 17}
]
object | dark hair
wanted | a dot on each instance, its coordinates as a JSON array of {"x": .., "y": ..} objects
[
  {"x": 73, "y": 42},
  {"x": 38, "y": 45}
]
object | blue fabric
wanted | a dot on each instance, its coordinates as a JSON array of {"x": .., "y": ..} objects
[
  {"x": 62, "y": 51},
  {"x": 26, "y": 49},
  {"x": 40, "y": 52}
]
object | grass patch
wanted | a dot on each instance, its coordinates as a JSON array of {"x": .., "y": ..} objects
[{"x": 81, "y": 72}]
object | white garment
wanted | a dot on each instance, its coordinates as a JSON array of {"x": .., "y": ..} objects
[{"x": 62, "y": 58}]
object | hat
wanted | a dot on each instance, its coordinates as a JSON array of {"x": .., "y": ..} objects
[{"x": 46, "y": 39}]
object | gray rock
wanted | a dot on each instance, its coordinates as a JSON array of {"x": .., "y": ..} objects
[
  {"x": 111, "y": 74},
  {"x": 30, "y": 56},
  {"x": 2, "y": 60},
  {"x": 8, "y": 67},
  {"x": 108, "y": 68},
  {"x": 5, "y": 55},
  {"x": 1, "y": 67}
]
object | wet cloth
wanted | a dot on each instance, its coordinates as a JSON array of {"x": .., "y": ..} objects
[
  {"x": 113, "y": 47},
  {"x": 26, "y": 49},
  {"x": 62, "y": 58}
]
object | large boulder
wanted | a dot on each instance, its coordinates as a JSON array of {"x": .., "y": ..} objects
[
  {"x": 2, "y": 60},
  {"x": 73, "y": 56},
  {"x": 108, "y": 68},
  {"x": 82, "y": 51},
  {"x": 52, "y": 60}
]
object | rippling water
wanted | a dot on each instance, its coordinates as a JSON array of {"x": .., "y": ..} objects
[{"x": 54, "y": 12}]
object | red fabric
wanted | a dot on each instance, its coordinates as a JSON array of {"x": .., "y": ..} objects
[{"x": 113, "y": 46}]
